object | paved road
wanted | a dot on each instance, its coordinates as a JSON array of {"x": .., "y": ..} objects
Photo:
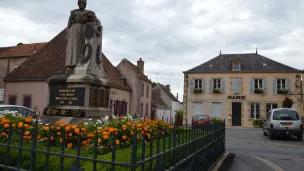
[{"x": 250, "y": 145}]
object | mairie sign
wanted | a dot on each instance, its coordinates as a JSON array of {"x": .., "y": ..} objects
[{"x": 237, "y": 97}]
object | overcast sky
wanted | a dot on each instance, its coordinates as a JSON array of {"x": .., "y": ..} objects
[{"x": 170, "y": 35}]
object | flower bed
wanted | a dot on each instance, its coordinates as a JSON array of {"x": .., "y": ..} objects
[{"x": 122, "y": 128}]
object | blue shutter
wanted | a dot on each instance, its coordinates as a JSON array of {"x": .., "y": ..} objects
[
  {"x": 204, "y": 86},
  {"x": 288, "y": 85},
  {"x": 223, "y": 85},
  {"x": 191, "y": 86},
  {"x": 265, "y": 86},
  {"x": 234, "y": 85},
  {"x": 274, "y": 86},
  {"x": 211, "y": 86},
  {"x": 238, "y": 89},
  {"x": 251, "y": 86}
]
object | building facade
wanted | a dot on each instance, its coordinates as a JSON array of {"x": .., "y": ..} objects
[
  {"x": 160, "y": 110},
  {"x": 170, "y": 100},
  {"x": 141, "y": 87},
  {"x": 240, "y": 88}
]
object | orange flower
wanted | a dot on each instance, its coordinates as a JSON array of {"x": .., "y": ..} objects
[
  {"x": 4, "y": 134},
  {"x": 74, "y": 126},
  {"x": 58, "y": 133},
  {"x": 124, "y": 137},
  {"x": 67, "y": 128},
  {"x": 105, "y": 137},
  {"x": 26, "y": 133},
  {"x": 99, "y": 140},
  {"x": 111, "y": 130},
  {"x": 14, "y": 125},
  {"x": 117, "y": 142},
  {"x": 25, "y": 126},
  {"x": 70, "y": 134},
  {"x": 51, "y": 138},
  {"x": 29, "y": 137},
  {"x": 6, "y": 126},
  {"x": 163, "y": 133},
  {"x": 90, "y": 135},
  {"x": 46, "y": 128},
  {"x": 20, "y": 124},
  {"x": 83, "y": 129},
  {"x": 60, "y": 140},
  {"x": 38, "y": 137},
  {"x": 131, "y": 132},
  {"x": 77, "y": 130},
  {"x": 28, "y": 119},
  {"x": 70, "y": 145},
  {"x": 57, "y": 122}
]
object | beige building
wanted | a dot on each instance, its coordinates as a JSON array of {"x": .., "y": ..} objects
[
  {"x": 240, "y": 88},
  {"x": 141, "y": 87},
  {"x": 12, "y": 57}
]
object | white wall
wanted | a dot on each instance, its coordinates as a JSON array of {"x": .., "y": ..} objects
[
  {"x": 1, "y": 95},
  {"x": 163, "y": 114},
  {"x": 174, "y": 106}
]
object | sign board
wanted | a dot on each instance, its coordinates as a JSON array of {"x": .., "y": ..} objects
[
  {"x": 237, "y": 97},
  {"x": 67, "y": 96}
]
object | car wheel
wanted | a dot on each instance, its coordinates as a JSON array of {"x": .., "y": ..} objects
[
  {"x": 300, "y": 137},
  {"x": 270, "y": 136}
]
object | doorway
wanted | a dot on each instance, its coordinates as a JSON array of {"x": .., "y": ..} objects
[{"x": 236, "y": 114}]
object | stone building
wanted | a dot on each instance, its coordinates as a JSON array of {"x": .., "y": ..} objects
[{"x": 240, "y": 88}]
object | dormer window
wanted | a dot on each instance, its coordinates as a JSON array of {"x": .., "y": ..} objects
[{"x": 236, "y": 65}]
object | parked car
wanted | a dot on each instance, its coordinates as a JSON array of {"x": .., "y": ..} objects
[
  {"x": 20, "y": 109},
  {"x": 283, "y": 122}
]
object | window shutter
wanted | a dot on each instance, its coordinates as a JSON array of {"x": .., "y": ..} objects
[
  {"x": 234, "y": 85},
  {"x": 238, "y": 89},
  {"x": 204, "y": 86},
  {"x": 223, "y": 85},
  {"x": 251, "y": 86},
  {"x": 265, "y": 86},
  {"x": 191, "y": 86},
  {"x": 288, "y": 85},
  {"x": 274, "y": 86},
  {"x": 210, "y": 86}
]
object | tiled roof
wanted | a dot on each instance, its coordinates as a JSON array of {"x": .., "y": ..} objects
[
  {"x": 168, "y": 92},
  {"x": 50, "y": 60},
  {"x": 2, "y": 49},
  {"x": 250, "y": 62},
  {"x": 157, "y": 100},
  {"x": 21, "y": 50},
  {"x": 136, "y": 69}
]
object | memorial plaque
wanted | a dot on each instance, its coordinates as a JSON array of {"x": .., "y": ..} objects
[
  {"x": 64, "y": 112},
  {"x": 67, "y": 96}
]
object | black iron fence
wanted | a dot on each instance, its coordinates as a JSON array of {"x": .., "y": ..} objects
[{"x": 186, "y": 148}]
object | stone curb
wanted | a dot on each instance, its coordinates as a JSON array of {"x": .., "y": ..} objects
[{"x": 224, "y": 163}]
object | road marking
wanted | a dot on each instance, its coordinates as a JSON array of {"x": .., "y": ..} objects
[
  {"x": 261, "y": 142},
  {"x": 267, "y": 162}
]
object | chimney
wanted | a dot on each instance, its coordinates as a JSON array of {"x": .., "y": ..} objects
[
  {"x": 177, "y": 95},
  {"x": 168, "y": 86},
  {"x": 141, "y": 65}
]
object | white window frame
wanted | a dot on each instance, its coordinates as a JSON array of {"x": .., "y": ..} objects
[
  {"x": 271, "y": 106},
  {"x": 198, "y": 84},
  {"x": 255, "y": 110},
  {"x": 237, "y": 66},
  {"x": 217, "y": 83},
  {"x": 280, "y": 84},
  {"x": 259, "y": 83}
]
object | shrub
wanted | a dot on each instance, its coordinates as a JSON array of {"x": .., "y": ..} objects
[
  {"x": 258, "y": 91},
  {"x": 287, "y": 102},
  {"x": 216, "y": 90},
  {"x": 258, "y": 122},
  {"x": 198, "y": 91}
]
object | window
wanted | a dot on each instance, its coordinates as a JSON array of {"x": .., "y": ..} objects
[
  {"x": 255, "y": 111},
  {"x": 236, "y": 85},
  {"x": 286, "y": 115},
  {"x": 217, "y": 83},
  {"x": 270, "y": 106},
  {"x": 27, "y": 101},
  {"x": 142, "y": 89},
  {"x": 258, "y": 83},
  {"x": 147, "y": 93},
  {"x": 141, "y": 109},
  {"x": 237, "y": 66},
  {"x": 147, "y": 108},
  {"x": 197, "y": 83},
  {"x": 281, "y": 84},
  {"x": 12, "y": 100}
]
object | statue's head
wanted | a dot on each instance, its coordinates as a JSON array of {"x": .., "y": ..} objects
[{"x": 82, "y": 4}]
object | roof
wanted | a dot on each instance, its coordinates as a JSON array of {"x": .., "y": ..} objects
[
  {"x": 50, "y": 60},
  {"x": 2, "y": 49},
  {"x": 168, "y": 92},
  {"x": 250, "y": 62},
  {"x": 157, "y": 100},
  {"x": 21, "y": 50},
  {"x": 136, "y": 69}
]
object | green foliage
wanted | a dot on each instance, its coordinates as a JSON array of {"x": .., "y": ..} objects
[
  {"x": 282, "y": 91},
  {"x": 258, "y": 122},
  {"x": 258, "y": 91},
  {"x": 287, "y": 102},
  {"x": 179, "y": 112},
  {"x": 198, "y": 91},
  {"x": 216, "y": 90}
]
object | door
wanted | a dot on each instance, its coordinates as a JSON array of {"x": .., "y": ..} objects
[
  {"x": 236, "y": 114},
  {"x": 197, "y": 109},
  {"x": 216, "y": 109}
]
